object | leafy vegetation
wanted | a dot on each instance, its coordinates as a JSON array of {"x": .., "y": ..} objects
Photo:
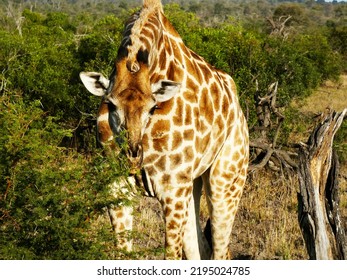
[{"x": 53, "y": 180}]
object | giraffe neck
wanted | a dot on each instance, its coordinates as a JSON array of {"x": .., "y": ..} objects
[
  {"x": 150, "y": 37},
  {"x": 168, "y": 55}
]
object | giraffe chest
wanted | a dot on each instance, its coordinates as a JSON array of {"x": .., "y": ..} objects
[{"x": 189, "y": 149}]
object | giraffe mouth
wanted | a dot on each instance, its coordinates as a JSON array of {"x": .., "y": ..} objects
[{"x": 135, "y": 157}]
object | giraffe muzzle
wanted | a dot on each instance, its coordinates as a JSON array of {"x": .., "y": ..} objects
[{"x": 135, "y": 156}]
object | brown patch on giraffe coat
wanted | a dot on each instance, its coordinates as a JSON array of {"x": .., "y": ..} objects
[
  {"x": 150, "y": 26},
  {"x": 239, "y": 138},
  {"x": 178, "y": 216},
  {"x": 225, "y": 106},
  {"x": 166, "y": 178},
  {"x": 161, "y": 163},
  {"x": 168, "y": 48},
  {"x": 119, "y": 214},
  {"x": 162, "y": 60},
  {"x": 243, "y": 150},
  {"x": 170, "y": 72},
  {"x": 226, "y": 176},
  {"x": 188, "y": 154},
  {"x": 150, "y": 159},
  {"x": 168, "y": 200},
  {"x": 206, "y": 72},
  {"x": 175, "y": 161},
  {"x": 161, "y": 144},
  {"x": 184, "y": 177},
  {"x": 187, "y": 191},
  {"x": 196, "y": 114},
  {"x": 188, "y": 115},
  {"x": 196, "y": 56},
  {"x": 154, "y": 21},
  {"x": 179, "y": 192},
  {"x": 219, "y": 182},
  {"x": 219, "y": 122},
  {"x": 240, "y": 164},
  {"x": 237, "y": 194},
  {"x": 176, "y": 51},
  {"x": 172, "y": 225},
  {"x": 232, "y": 168},
  {"x": 187, "y": 52},
  {"x": 178, "y": 74},
  {"x": 179, "y": 206},
  {"x": 190, "y": 66},
  {"x": 121, "y": 227},
  {"x": 215, "y": 93},
  {"x": 147, "y": 31},
  {"x": 167, "y": 211},
  {"x": 191, "y": 94},
  {"x": 236, "y": 156},
  {"x": 144, "y": 140},
  {"x": 178, "y": 118},
  {"x": 203, "y": 127},
  {"x": 160, "y": 128},
  {"x": 189, "y": 134},
  {"x": 171, "y": 236},
  {"x": 207, "y": 108},
  {"x": 176, "y": 140},
  {"x": 150, "y": 170}
]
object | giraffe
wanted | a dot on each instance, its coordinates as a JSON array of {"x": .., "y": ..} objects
[{"x": 185, "y": 131}]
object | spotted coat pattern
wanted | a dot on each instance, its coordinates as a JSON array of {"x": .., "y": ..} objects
[{"x": 198, "y": 139}]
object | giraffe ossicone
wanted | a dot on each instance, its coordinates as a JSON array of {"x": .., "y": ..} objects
[{"x": 185, "y": 131}]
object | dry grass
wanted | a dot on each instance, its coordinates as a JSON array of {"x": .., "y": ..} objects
[
  {"x": 266, "y": 226},
  {"x": 149, "y": 227},
  {"x": 331, "y": 95}
]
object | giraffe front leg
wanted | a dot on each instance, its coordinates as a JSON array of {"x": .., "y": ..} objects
[
  {"x": 175, "y": 206},
  {"x": 122, "y": 223},
  {"x": 121, "y": 217}
]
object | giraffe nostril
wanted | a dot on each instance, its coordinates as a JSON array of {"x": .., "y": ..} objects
[{"x": 135, "y": 155}]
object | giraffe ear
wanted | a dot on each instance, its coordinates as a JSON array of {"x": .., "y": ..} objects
[
  {"x": 165, "y": 90},
  {"x": 95, "y": 82}
]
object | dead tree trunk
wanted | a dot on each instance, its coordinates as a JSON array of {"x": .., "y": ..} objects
[{"x": 319, "y": 214}]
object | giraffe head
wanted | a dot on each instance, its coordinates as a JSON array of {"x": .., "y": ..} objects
[
  {"x": 130, "y": 93},
  {"x": 131, "y": 100}
]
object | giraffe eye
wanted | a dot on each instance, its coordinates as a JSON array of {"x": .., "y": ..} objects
[{"x": 151, "y": 112}]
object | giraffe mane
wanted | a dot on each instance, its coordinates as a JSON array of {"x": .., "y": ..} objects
[
  {"x": 154, "y": 4},
  {"x": 149, "y": 8}
]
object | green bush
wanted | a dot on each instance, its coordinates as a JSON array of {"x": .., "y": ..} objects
[{"x": 49, "y": 195}]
